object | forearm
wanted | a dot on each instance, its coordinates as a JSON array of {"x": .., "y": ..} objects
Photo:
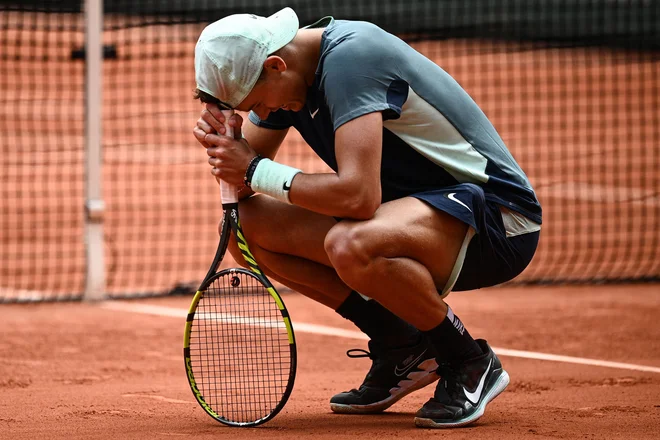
[
  {"x": 328, "y": 194},
  {"x": 353, "y": 192}
]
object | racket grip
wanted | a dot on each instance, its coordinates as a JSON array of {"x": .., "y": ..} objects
[{"x": 228, "y": 192}]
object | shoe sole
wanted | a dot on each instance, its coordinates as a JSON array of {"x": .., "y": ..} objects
[
  {"x": 500, "y": 385},
  {"x": 381, "y": 406}
]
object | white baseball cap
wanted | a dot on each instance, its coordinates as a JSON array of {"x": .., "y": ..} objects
[{"x": 230, "y": 52}]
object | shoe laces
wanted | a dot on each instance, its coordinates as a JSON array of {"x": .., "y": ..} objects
[
  {"x": 446, "y": 369},
  {"x": 376, "y": 352},
  {"x": 449, "y": 374},
  {"x": 360, "y": 353},
  {"x": 377, "y": 361}
]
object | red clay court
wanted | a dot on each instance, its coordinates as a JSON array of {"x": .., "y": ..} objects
[{"x": 115, "y": 370}]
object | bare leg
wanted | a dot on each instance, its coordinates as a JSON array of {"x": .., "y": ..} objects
[
  {"x": 401, "y": 258},
  {"x": 313, "y": 280},
  {"x": 287, "y": 242}
]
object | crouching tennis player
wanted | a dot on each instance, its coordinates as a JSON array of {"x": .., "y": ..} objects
[{"x": 425, "y": 198}]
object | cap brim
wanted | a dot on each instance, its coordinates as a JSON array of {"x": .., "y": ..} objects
[{"x": 283, "y": 25}]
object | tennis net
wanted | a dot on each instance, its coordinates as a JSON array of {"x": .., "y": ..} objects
[{"x": 572, "y": 86}]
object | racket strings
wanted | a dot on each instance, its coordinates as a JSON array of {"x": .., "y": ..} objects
[{"x": 240, "y": 352}]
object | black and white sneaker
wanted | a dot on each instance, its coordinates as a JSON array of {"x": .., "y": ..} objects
[
  {"x": 393, "y": 374},
  {"x": 464, "y": 391}
]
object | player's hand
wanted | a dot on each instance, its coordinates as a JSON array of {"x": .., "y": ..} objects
[
  {"x": 211, "y": 121},
  {"x": 228, "y": 157}
]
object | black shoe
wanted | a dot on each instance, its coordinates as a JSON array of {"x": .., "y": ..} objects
[
  {"x": 464, "y": 391},
  {"x": 393, "y": 374}
]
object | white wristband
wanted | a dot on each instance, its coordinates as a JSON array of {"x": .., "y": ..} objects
[{"x": 274, "y": 179}]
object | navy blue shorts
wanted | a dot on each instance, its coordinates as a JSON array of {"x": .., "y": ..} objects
[{"x": 492, "y": 257}]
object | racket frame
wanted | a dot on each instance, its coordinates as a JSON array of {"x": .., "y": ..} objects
[{"x": 231, "y": 223}]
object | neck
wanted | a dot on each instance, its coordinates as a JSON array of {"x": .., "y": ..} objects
[{"x": 306, "y": 48}]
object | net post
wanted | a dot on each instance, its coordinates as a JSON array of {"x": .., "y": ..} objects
[{"x": 94, "y": 204}]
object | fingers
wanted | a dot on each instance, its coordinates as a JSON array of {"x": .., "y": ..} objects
[
  {"x": 213, "y": 116},
  {"x": 221, "y": 171},
  {"x": 200, "y": 135},
  {"x": 215, "y": 140},
  {"x": 214, "y": 161},
  {"x": 236, "y": 121},
  {"x": 211, "y": 121},
  {"x": 224, "y": 147},
  {"x": 205, "y": 126},
  {"x": 227, "y": 157},
  {"x": 219, "y": 147},
  {"x": 216, "y": 164}
]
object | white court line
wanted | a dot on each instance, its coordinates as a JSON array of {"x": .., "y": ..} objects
[
  {"x": 155, "y": 397},
  {"x": 22, "y": 295},
  {"x": 302, "y": 327}
]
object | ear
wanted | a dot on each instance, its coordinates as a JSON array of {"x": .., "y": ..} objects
[{"x": 275, "y": 63}]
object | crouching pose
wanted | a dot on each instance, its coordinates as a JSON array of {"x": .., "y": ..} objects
[{"x": 424, "y": 197}]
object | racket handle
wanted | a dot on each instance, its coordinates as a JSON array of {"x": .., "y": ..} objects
[{"x": 228, "y": 192}]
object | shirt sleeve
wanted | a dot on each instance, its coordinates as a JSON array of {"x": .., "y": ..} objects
[
  {"x": 360, "y": 77},
  {"x": 278, "y": 120}
]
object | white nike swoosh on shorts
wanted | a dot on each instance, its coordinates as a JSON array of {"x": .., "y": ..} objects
[{"x": 451, "y": 196}]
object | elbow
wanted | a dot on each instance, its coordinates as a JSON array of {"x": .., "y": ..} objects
[
  {"x": 362, "y": 207},
  {"x": 359, "y": 198}
]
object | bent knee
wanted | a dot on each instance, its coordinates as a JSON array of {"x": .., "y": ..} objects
[{"x": 348, "y": 246}]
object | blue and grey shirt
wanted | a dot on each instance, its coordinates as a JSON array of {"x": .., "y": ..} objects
[{"x": 434, "y": 134}]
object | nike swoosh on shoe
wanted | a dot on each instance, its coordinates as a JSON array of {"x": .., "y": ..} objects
[
  {"x": 404, "y": 371},
  {"x": 476, "y": 395}
]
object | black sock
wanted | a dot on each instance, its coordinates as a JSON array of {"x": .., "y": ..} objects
[
  {"x": 381, "y": 325},
  {"x": 452, "y": 340}
]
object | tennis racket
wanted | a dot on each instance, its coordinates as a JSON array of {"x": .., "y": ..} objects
[{"x": 238, "y": 345}]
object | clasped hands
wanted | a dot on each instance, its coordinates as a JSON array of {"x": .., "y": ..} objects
[{"x": 228, "y": 157}]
